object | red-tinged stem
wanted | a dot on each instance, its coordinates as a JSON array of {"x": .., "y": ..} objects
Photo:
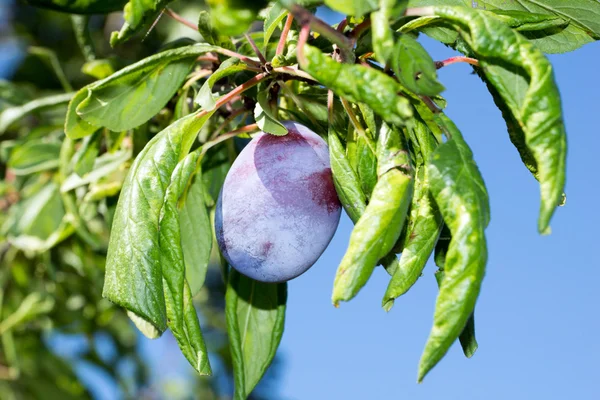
[
  {"x": 302, "y": 39},
  {"x": 419, "y": 11},
  {"x": 257, "y": 51},
  {"x": 342, "y": 25},
  {"x": 208, "y": 57},
  {"x": 457, "y": 59},
  {"x": 238, "y": 90},
  {"x": 284, "y": 34},
  {"x": 305, "y": 17},
  {"x": 180, "y": 19},
  {"x": 294, "y": 72},
  {"x": 228, "y": 135},
  {"x": 430, "y": 104},
  {"x": 330, "y": 106},
  {"x": 359, "y": 29},
  {"x": 234, "y": 114},
  {"x": 196, "y": 76},
  {"x": 243, "y": 58}
]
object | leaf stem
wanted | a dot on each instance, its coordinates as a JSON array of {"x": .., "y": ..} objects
[
  {"x": 305, "y": 17},
  {"x": 284, "y": 34},
  {"x": 241, "y": 57},
  {"x": 419, "y": 11},
  {"x": 257, "y": 51},
  {"x": 302, "y": 39},
  {"x": 359, "y": 29},
  {"x": 457, "y": 59},
  {"x": 294, "y": 72},
  {"x": 234, "y": 114},
  {"x": 180, "y": 19}
]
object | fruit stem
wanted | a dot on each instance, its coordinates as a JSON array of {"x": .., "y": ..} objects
[{"x": 284, "y": 34}]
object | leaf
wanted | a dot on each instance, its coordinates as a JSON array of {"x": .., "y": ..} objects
[
  {"x": 205, "y": 97},
  {"x": 98, "y": 69},
  {"x": 460, "y": 194},
  {"x": 136, "y": 12},
  {"x": 32, "y": 306},
  {"x": 233, "y": 17},
  {"x": 210, "y": 35},
  {"x": 467, "y": 339},
  {"x": 414, "y": 67},
  {"x": 34, "y": 156},
  {"x": 75, "y": 126},
  {"x": 538, "y": 114},
  {"x": 583, "y": 17},
  {"x": 136, "y": 93},
  {"x": 80, "y": 6},
  {"x": 356, "y": 8},
  {"x": 84, "y": 158},
  {"x": 196, "y": 235},
  {"x": 12, "y": 114},
  {"x": 255, "y": 313},
  {"x": 181, "y": 314},
  {"x": 378, "y": 229},
  {"x": 345, "y": 179},
  {"x": 134, "y": 278},
  {"x": 103, "y": 167},
  {"x": 275, "y": 14},
  {"x": 359, "y": 84},
  {"x": 265, "y": 118}
]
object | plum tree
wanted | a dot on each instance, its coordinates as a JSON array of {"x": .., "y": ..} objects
[{"x": 278, "y": 208}]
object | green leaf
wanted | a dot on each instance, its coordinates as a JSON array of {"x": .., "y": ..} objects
[
  {"x": 359, "y": 84},
  {"x": 275, "y": 14},
  {"x": 134, "y": 276},
  {"x": 467, "y": 339},
  {"x": 136, "y": 93},
  {"x": 414, "y": 67},
  {"x": 378, "y": 229},
  {"x": 12, "y": 114},
  {"x": 210, "y": 35},
  {"x": 80, "y": 6},
  {"x": 181, "y": 314},
  {"x": 84, "y": 158},
  {"x": 196, "y": 235},
  {"x": 103, "y": 167},
  {"x": 255, "y": 313},
  {"x": 98, "y": 69},
  {"x": 75, "y": 126},
  {"x": 233, "y": 17},
  {"x": 346, "y": 181},
  {"x": 582, "y": 16},
  {"x": 265, "y": 118},
  {"x": 356, "y": 8},
  {"x": 32, "y": 306},
  {"x": 34, "y": 156},
  {"x": 460, "y": 194},
  {"x": 136, "y": 12},
  {"x": 205, "y": 97},
  {"x": 538, "y": 113}
]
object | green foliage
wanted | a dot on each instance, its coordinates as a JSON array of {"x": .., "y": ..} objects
[{"x": 123, "y": 197}]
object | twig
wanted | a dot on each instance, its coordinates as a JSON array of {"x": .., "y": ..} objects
[
  {"x": 284, "y": 34},
  {"x": 180, "y": 19},
  {"x": 342, "y": 25},
  {"x": 259, "y": 54},
  {"x": 238, "y": 90},
  {"x": 196, "y": 76},
  {"x": 430, "y": 104},
  {"x": 419, "y": 11},
  {"x": 302, "y": 39},
  {"x": 305, "y": 17},
  {"x": 294, "y": 72},
  {"x": 359, "y": 29},
  {"x": 457, "y": 59},
  {"x": 229, "y": 135},
  {"x": 208, "y": 57},
  {"x": 330, "y": 106},
  {"x": 241, "y": 57},
  {"x": 227, "y": 121}
]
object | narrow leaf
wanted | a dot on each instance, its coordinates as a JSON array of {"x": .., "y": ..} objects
[
  {"x": 181, "y": 314},
  {"x": 205, "y": 97},
  {"x": 134, "y": 278},
  {"x": 12, "y": 114},
  {"x": 378, "y": 229},
  {"x": 359, "y": 84},
  {"x": 459, "y": 191},
  {"x": 255, "y": 313}
]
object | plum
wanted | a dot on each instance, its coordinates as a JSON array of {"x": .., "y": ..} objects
[{"x": 278, "y": 208}]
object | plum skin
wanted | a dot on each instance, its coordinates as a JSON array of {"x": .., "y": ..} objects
[{"x": 278, "y": 208}]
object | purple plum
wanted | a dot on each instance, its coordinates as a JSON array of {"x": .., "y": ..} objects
[{"x": 278, "y": 208}]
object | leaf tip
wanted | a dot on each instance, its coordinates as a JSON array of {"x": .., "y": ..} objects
[{"x": 387, "y": 304}]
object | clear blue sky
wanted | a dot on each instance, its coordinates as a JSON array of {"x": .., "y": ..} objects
[{"x": 537, "y": 316}]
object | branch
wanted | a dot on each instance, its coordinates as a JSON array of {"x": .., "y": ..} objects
[{"x": 256, "y": 49}]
